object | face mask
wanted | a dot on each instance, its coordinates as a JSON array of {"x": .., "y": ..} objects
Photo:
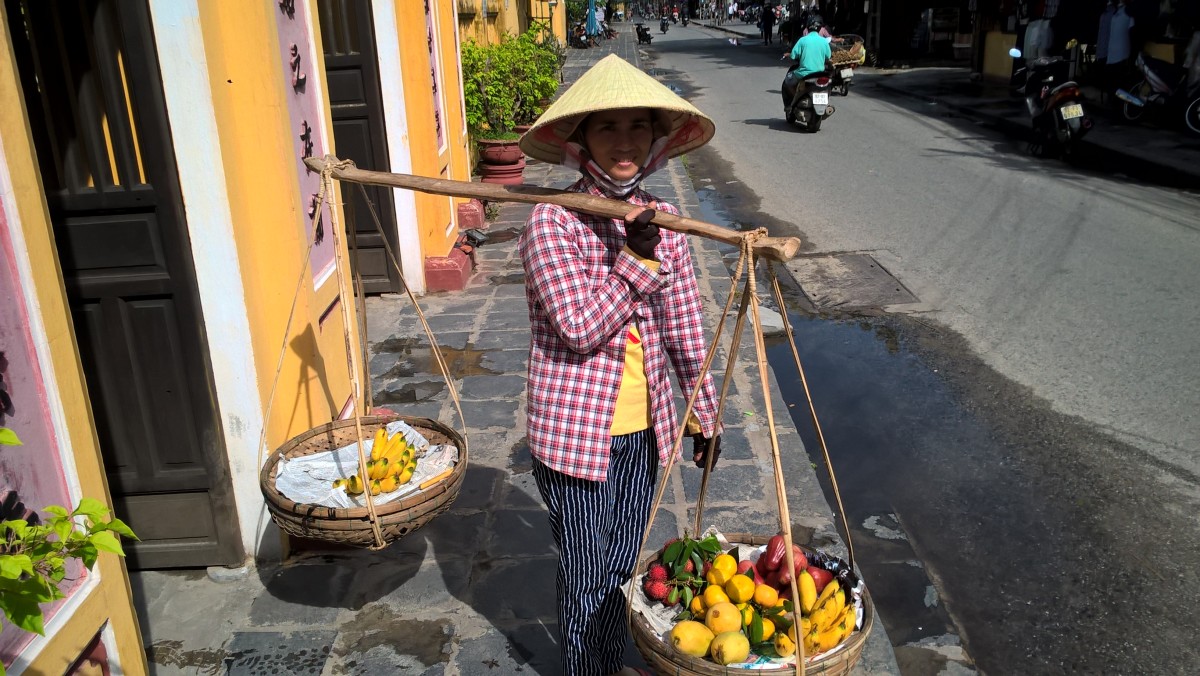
[{"x": 576, "y": 156}]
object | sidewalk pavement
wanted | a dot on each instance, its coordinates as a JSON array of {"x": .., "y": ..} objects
[
  {"x": 472, "y": 592},
  {"x": 1166, "y": 154}
]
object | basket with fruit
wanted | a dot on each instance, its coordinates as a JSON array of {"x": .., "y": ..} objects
[
  {"x": 728, "y": 604},
  {"x": 415, "y": 498}
]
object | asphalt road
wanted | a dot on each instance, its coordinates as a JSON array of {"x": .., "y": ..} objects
[{"x": 1058, "y": 308}]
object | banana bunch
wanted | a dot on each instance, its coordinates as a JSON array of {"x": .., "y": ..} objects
[
  {"x": 829, "y": 619},
  {"x": 391, "y": 466}
]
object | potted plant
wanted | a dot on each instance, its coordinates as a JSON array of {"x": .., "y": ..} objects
[
  {"x": 34, "y": 553},
  {"x": 506, "y": 84},
  {"x": 543, "y": 57}
]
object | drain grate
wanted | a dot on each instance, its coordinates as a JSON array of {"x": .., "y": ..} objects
[{"x": 848, "y": 281}]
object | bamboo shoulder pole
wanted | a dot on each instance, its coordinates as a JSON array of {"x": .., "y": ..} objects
[{"x": 776, "y": 248}]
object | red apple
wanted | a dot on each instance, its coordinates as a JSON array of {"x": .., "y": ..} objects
[{"x": 820, "y": 576}]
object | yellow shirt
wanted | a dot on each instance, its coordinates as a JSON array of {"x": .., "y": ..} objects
[{"x": 632, "y": 413}]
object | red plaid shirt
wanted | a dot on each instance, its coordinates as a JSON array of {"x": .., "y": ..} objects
[{"x": 584, "y": 289}]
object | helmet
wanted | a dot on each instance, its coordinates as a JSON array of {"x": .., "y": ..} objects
[{"x": 815, "y": 23}]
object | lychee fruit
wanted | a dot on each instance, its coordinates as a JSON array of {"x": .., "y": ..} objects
[
  {"x": 658, "y": 572},
  {"x": 707, "y": 567},
  {"x": 689, "y": 566},
  {"x": 656, "y": 589}
]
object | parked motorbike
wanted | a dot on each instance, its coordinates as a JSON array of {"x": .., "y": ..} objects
[
  {"x": 1055, "y": 105},
  {"x": 663, "y": 25},
  {"x": 644, "y": 36},
  {"x": 806, "y": 100},
  {"x": 1163, "y": 87}
]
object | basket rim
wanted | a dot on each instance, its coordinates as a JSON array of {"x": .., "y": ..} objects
[
  {"x": 641, "y": 627},
  {"x": 276, "y": 501}
]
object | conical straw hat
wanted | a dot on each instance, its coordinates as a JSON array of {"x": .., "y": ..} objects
[{"x": 611, "y": 84}]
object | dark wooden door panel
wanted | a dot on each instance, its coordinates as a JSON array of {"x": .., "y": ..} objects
[
  {"x": 90, "y": 80},
  {"x": 348, "y": 39}
]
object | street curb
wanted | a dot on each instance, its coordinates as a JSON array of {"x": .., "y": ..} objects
[{"x": 1138, "y": 164}]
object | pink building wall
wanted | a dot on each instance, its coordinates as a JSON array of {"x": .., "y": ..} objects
[{"x": 33, "y": 472}]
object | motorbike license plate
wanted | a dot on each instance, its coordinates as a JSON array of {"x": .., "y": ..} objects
[
  {"x": 847, "y": 73},
  {"x": 1072, "y": 111},
  {"x": 820, "y": 97}
]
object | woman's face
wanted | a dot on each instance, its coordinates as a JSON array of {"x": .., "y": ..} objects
[{"x": 619, "y": 140}]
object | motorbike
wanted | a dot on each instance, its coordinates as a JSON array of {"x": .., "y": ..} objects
[
  {"x": 842, "y": 77},
  {"x": 845, "y": 47},
  {"x": 684, "y": 20},
  {"x": 1055, "y": 105},
  {"x": 1163, "y": 86},
  {"x": 663, "y": 25},
  {"x": 806, "y": 100},
  {"x": 644, "y": 36}
]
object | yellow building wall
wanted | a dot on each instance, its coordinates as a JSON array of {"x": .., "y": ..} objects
[
  {"x": 456, "y": 114},
  {"x": 475, "y": 25},
  {"x": 558, "y": 18},
  {"x": 997, "y": 64},
  {"x": 436, "y": 219},
  {"x": 111, "y": 601},
  {"x": 261, "y": 176}
]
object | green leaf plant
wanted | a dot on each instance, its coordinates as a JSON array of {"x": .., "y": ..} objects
[
  {"x": 34, "y": 554},
  {"x": 507, "y": 83}
]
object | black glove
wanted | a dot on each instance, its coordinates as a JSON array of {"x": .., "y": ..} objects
[
  {"x": 700, "y": 449},
  {"x": 641, "y": 236}
]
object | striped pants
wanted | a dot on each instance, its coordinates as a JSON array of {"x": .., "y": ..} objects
[{"x": 598, "y": 527}]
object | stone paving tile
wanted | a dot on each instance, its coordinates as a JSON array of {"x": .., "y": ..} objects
[
  {"x": 506, "y": 361},
  {"x": 520, "y": 532},
  {"x": 433, "y": 586},
  {"x": 414, "y": 390},
  {"x": 486, "y": 414},
  {"x": 519, "y": 649},
  {"x": 478, "y": 489},
  {"x": 513, "y": 589},
  {"x": 255, "y": 653},
  {"x": 492, "y": 387},
  {"x": 302, "y": 594},
  {"x": 732, "y": 481}
]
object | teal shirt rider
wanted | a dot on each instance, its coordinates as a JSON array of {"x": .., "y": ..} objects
[{"x": 811, "y": 51}]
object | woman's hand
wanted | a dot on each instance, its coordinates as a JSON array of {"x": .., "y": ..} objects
[
  {"x": 700, "y": 450},
  {"x": 641, "y": 236}
]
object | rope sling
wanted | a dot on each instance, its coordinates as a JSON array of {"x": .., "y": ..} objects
[{"x": 753, "y": 245}]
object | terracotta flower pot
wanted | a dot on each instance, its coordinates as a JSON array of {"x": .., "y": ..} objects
[
  {"x": 494, "y": 151},
  {"x": 505, "y": 174}
]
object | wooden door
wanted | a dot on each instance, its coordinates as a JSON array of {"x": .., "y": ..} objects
[
  {"x": 348, "y": 40},
  {"x": 92, "y": 89}
]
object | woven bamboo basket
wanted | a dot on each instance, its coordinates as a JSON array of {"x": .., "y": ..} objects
[
  {"x": 353, "y": 526},
  {"x": 664, "y": 659},
  {"x": 850, "y": 53}
]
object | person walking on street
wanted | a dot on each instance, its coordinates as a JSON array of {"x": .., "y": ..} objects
[
  {"x": 768, "y": 23},
  {"x": 611, "y": 302}
]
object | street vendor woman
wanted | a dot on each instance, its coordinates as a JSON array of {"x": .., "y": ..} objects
[{"x": 611, "y": 302}]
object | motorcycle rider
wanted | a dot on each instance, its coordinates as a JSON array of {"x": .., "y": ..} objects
[{"x": 811, "y": 52}]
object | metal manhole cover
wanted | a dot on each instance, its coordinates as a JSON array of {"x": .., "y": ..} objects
[{"x": 848, "y": 281}]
